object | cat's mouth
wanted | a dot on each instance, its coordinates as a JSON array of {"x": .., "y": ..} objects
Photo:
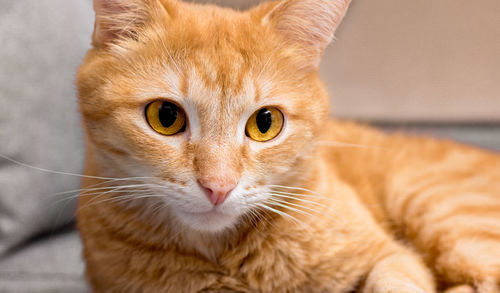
[
  {"x": 210, "y": 213},
  {"x": 213, "y": 220}
]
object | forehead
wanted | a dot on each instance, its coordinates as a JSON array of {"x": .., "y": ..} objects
[
  {"x": 223, "y": 91},
  {"x": 219, "y": 83},
  {"x": 223, "y": 46},
  {"x": 214, "y": 62},
  {"x": 215, "y": 53}
]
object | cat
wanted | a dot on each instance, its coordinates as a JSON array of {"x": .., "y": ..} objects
[{"x": 213, "y": 166}]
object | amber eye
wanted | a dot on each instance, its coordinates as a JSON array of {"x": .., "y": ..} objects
[
  {"x": 265, "y": 124},
  {"x": 166, "y": 117}
]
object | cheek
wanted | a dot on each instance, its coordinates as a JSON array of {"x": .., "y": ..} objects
[
  {"x": 297, "y": 137},
  {"x": 166, "y": 157},
  {"x": 282, "y": 162},
  {"x": 170, "y": 163},
  {"x": 273, "y": 164}
]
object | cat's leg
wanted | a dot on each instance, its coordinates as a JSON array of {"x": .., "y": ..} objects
[
  {"x": 401, "y": 272},
  {"x": 452, "y": 216}
]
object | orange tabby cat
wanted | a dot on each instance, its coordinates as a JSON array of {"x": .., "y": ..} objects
[{"x": 214, "y": 166}]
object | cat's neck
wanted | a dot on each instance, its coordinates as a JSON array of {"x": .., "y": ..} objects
[{"x": 208, "y": 245}]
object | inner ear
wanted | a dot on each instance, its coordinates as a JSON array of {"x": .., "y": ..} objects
[{"x": 308, "y": 24}]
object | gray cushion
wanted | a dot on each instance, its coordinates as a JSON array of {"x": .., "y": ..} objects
[
  {"x": 52, "y": 265},
  {"x": 42, "y": 44}
]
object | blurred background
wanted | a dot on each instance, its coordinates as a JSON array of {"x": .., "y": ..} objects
[{"x": 428, "y": 66}]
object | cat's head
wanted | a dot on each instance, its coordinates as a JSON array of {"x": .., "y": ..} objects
[{"x": 213, "y": 105}]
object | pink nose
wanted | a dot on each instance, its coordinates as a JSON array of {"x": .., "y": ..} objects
[{"x": 217, "y": 190}]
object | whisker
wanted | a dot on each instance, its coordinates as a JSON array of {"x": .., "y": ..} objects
[
  {"x": 57, "y": 172},
  {"x": 305, "y": 226},
  {"x": 83, "y": 191},
  {"x": 297, "y": 198},
  {"x": 286, "y": 205},
  {"x": 115, "y": 190},
  {"x": 157, "y": 209},
  {"x": 261, "y": 215},
  {"x": 310, "y": 196},
  {"x": 330, "y": 208},
  {"x": 119, "y": 187},
  {"x": 110, "y": 189},
  {"x": 250, "y": 218},
  {"x": 284, "y": 214},
  {"x": 310, "y": 209},
  {"x": 264, "y": 217},
  {"x": 134, "y": 196},
  {"x": 68, "y": 199},
  {"x": 343, "y": 144},
  {"x": 295, "y": 188},
  {"x": 121, "y": 199}
]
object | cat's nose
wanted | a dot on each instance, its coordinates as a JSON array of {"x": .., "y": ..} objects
[{"x": 217, "y": 189}]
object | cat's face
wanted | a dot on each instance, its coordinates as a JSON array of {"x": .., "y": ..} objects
[{"x": 215, "y": 107}]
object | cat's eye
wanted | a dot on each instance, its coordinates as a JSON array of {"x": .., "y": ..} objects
[
  {"x": 166, "y": 118},
  {"x": 265, "y": 124}
]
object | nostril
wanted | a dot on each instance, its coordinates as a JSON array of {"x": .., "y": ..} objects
[
  {"x": 207, "y": 190},
  {"x": 216, "y": 193}
]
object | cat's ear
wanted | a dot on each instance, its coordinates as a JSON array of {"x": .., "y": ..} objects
[
  {"x": 122, "y": 19},
  {"x": 308, "y": 24}
]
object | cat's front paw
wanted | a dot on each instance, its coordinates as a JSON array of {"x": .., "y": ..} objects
[
  {"x": 399, "y": 273},
  {"x": 394, "y": 285}
]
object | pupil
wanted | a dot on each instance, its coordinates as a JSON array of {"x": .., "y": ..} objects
[
  {"x": 167, "y": 114},
  {"x": 264, "y": 120}
]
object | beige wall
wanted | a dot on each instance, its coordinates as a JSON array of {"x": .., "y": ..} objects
[{"x": 417, "y": 60}]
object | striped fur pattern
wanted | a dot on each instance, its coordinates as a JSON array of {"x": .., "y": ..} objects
[{"x": 326, "y": 206}]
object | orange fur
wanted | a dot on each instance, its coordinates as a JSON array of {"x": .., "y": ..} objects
[{"x": 351, "y": 208}]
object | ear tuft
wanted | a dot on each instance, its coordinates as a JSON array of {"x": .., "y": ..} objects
[
  {"x": 118, "y": 19},
  {"x": 310, "y": 24}
]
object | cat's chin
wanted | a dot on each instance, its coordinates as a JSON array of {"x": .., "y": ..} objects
[{"x": 212, "y": 222}]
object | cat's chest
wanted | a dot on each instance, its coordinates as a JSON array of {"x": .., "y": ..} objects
[
  {"x": 295, "y": 260},
  {"x": 276, "y": 265}
]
